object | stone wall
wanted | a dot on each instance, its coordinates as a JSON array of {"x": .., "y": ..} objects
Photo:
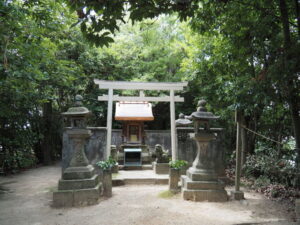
[
  {"x": 96, "y": 145},
  {"x": 162, "y": 137}
]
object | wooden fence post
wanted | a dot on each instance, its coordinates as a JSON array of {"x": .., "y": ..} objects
[{"x": 237, "y": 194}]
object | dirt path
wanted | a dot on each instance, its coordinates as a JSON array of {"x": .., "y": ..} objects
[{"x": 26, "y": 199}]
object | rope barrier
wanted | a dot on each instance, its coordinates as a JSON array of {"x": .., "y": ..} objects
[{"x": 262, "y": 135}]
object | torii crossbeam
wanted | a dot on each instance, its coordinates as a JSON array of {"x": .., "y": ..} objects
[{"x": 141, "y": 86}]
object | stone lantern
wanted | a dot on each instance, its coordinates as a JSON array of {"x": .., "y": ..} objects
[
  {"x": 78, "y": 133},
  {"x": 201, "y": 181},
  {"x": 79, "y": 184},
  {"x": 182, "y": 128},
  {"x": 182, "y": 121}
]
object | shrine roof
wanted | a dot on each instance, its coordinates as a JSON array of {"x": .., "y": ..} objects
[{"x": 138, "y": 111}]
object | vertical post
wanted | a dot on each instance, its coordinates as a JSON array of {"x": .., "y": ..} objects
[
  {"x": 238, "y": 156},
  {"x": 173, "y": 135},
  {"x": 109, "y": 122},
  {"x": 244, "y": 149},
  {"x": 237, "y": 194}
]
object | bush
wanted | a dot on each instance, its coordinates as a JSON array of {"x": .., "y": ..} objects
[
  {"x": 15, "y": 160},
  {"x": 177, "y": 164},
  {"x": 272, "y": 169},
  {"x": 107, "y": 164}
]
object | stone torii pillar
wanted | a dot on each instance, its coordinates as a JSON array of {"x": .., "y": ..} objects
[{"x": 141, "y": 86}]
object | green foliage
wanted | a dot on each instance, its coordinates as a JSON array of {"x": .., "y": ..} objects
[
  {"x": 49, "y": 62},
  {"x": 178, "y": 164},
  {"x": 16, "y": 160},
  {"x": 38, "y": 67},
  {"x": 267, "y": 166},
  {"x": 107, "y": 164},
  {"x": 99, "y": 21}
]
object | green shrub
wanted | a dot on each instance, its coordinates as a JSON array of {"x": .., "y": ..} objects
[
  {"x": 177, "y": 164},
  {"x": 13, "y": 161},
  {"x": 107, "y": 164},
  {"x": 262, "y": 181},
  {"x": 270, "y": 167}
]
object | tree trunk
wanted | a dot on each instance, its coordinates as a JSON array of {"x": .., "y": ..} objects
[
  {"x": 244, "y": 138},
  {"x": 285, "y": 24},
  {"x": 292, "y": 96},
  {"x": 294, "y": 108},
  {"x": 47, "y": 139},
  {"x": 250, "y": 138},
  {"x": 297, "y": 16}
]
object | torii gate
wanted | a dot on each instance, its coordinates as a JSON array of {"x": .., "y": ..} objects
[{"x": 141, "y": 86}]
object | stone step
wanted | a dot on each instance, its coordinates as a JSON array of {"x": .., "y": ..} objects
[
  {"x": 142, "y": 167},
  {"x": 78, "y": 183},
  {"x": 205, "y": 195},
  {"x": 201, "y": 185},
  {"x": 139, "y": 181},
  {"x": 118, "y": 182}
]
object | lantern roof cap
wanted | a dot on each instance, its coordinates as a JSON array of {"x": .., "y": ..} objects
[
  {"x": 201, "y": 113},
  {"x": 78, "y": 110},
  {"x": 182, "y": 121}
]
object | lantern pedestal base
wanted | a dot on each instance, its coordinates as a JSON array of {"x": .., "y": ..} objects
[
  {"x": 79, "y": 186},
  {"x": 201, "y": 174},
  {"x": 202, "y": 187},
  {"x": 79, "y": 197},
  {"x": 82, "y": 172}
]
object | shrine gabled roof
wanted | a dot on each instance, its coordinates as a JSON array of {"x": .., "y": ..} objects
[{"x": 129, "y": 111}]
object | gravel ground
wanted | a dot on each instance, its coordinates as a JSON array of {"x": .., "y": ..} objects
[{"x": 26, "y": 199}]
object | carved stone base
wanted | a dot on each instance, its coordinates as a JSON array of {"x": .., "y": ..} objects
[
  {"x": 201, "y": 175},
  {"x": 211, "y": 190},
  {"x": 83, "y": 172},
  {"x": 79, "y": 186},
  {"x": 161, "y": 168},
  {"x": 204, "y": 195},
  {"x": 80, "y": 197},
  {"x": 78, "y": 183}
]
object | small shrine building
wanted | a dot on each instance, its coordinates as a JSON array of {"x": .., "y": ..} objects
[{"x": 133, "y": 115}]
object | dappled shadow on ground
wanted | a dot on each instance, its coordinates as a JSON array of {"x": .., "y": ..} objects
[
  {"x": 4, "y": 188},
  {"x": 31, "y": 197}
]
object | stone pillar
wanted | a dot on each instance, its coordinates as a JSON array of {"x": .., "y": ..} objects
[
  {"x": 114, "y": 155},
  {"x": 107, "y": 183},
  {"x": 174, "y": 175}
]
